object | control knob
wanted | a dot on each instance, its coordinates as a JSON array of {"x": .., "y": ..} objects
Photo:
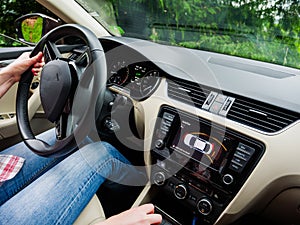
[
  {"x": 204, "y": 206},
  {"x": 227, "y": 179},
  {"x": 159, "y": 178},
  {"x": 181, "y": 191},
  {"x": 159, "y": 144}
]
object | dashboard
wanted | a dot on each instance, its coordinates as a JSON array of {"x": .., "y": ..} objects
[{"x": 218, "y": 133}]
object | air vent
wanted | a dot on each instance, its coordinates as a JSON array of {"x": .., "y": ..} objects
[
  {"x": 260, "y": 115},
  {"x": 187, "y": 92},
  {"x": 253, "y": 113}
]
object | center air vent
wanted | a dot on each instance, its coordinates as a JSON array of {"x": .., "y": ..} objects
[
  {"x": 260, "y": 115},
  {"x": 187, "y": 92},
  {"x": 253, "y": 113}
]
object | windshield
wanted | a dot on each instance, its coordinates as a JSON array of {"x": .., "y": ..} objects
[{"x": 265, "y": 30}]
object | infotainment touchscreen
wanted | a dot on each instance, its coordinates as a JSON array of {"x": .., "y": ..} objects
[{"x": 200, "y": 142}]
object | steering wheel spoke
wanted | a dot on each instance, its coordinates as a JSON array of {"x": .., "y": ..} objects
[
  {"x": 83, "y": 60},
  {"x": 51, "y": 52}
]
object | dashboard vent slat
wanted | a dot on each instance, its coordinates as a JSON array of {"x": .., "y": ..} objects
[
  {"x": 261, "y": 115},
  {"x": 187, "y": 92}
]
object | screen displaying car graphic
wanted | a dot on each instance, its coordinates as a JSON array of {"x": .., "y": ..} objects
[
  {"x": 204, "y": 145},
  {"x": 198, "y": 144}
]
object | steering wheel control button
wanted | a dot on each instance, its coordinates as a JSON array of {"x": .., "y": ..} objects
[
  {"x": 204, "y": 206},
  {"x": 228, "y": 179},
  {"x": 159, "y": 178},
  {"x": 181, "y": 191}
]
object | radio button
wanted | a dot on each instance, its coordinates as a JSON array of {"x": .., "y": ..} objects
[
  {"x": 204, "y": 206},
  {"x": 168, "y": 116},
  {"x": 164, "y": 128},
  {"x": 242, "y": 155},
  {"x": 239, "y": 161},
  {"x": 246, "y": 149},
  {"x": 235, "y": 167},
  {"x": 167, "y": 123},
  {"x": 237, "y": 164}
]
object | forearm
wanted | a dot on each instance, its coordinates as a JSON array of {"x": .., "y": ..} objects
[{"x": 7, "y": 80}]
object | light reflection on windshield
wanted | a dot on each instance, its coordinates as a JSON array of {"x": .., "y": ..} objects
[{"x": 265, "y": 30}]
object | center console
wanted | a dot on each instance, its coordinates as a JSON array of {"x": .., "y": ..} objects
[{"x": 198, "y": 167}]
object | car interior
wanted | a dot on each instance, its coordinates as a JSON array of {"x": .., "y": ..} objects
[{"x": 217, "y": 134}]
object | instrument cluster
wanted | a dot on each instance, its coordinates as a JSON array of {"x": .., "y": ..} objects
[{"x": 140, "y": 79}]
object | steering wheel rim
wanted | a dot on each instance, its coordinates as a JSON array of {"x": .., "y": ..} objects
[{"x": 95, "y": 73}]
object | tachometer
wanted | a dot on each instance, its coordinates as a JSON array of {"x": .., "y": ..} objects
[{"x": 118, "y": 73}]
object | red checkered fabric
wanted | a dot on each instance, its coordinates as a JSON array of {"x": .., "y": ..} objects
[{"x": 10, "y": 165}]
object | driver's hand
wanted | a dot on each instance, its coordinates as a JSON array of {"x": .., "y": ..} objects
[
  {"x": 23, "y": 62},
  {"x": 142, "y": 215},
  {"x": 12, "y": 73}
]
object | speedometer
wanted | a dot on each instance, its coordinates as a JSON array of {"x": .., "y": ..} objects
[{"x": 143, "y": 87}]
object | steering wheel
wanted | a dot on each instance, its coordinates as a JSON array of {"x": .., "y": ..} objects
[{"x": 69, "y": 91}]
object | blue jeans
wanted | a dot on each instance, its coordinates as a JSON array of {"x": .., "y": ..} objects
[
  {"x": 34, "y": 166},
  {"x": 60, "y": 194}
]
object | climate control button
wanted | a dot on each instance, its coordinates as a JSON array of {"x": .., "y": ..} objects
[
  {"x": 204, "y": 206},
  {"x": 180, "y": 191}
]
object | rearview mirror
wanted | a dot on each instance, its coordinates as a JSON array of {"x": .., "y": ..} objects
[{"x": 32, "y": 27}]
